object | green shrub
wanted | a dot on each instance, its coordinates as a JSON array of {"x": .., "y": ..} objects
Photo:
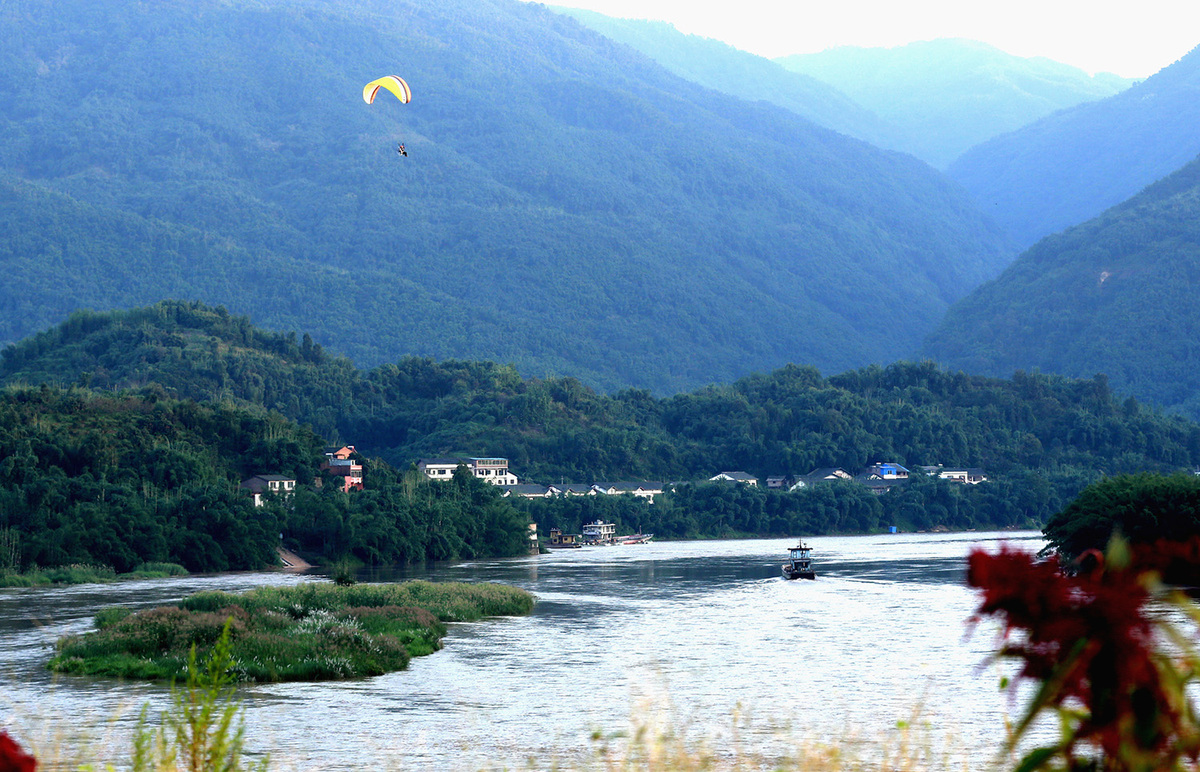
[
  {"x": 110, "y": 616},
  {"x": 156, "y": 571}
]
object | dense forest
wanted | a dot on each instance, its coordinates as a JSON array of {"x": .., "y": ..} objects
[
  {"x": 1070, "y": 166},
  {"x": 1040, "y": 439},
  {"x": 135, "y": 477},
  {"x": 1115, "y": 295},
  {"x": 567, "y": 204}
]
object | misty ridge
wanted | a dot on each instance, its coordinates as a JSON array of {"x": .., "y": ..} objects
[{"x": 583, "y": 196}]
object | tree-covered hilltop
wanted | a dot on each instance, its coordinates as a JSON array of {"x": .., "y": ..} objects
[
  {"x": 1158, "y": 513},
  {"x": 1047, "y": 435},
  {"x": 1115, "y": 295},
  {"x": 1140, "y": 508},
  {"x": 136, "y": 477},
  {"x": 567, "y": 205},
  {"x": 1070, "y": 166}
]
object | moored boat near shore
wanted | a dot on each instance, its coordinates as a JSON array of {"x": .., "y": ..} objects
[{"x": 599, "y": 532}]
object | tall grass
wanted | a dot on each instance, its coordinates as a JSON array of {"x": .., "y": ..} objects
[
  {"x": 81, "y": 573},
  {"x": 448, "y": 601}
]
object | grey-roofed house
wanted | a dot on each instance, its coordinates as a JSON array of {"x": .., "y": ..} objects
[
  {"x": 968, "y": 475},
  {"x": 259, "y": 484},
  {"x": 529, "y": 491},
  {"x": 878, "y": 485},
  {"x": 642, "y": 490},
  {"x": 438, "y": 468},
  {"x": 573, "y": 489},
  {"x": 819, "y": 475},
  {"x": 738, "y": 477}
]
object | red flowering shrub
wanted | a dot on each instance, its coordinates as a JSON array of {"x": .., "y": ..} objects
[
  {"x": 13, "y": 758},
  {"x": 1089, "y": 638}
]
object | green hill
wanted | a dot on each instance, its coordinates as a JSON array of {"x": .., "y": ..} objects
[
  {"x": 567, "y": 206},
  {"x": 1115, "y": 295},
  {"x": 124, "y": 479},
  {"x": 1071, "y": 166},
  {"x": 789, "y": 421},
  {"x": 945, "y": 96}
]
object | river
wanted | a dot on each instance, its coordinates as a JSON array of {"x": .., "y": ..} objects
[{"x": 701, "y": 636}]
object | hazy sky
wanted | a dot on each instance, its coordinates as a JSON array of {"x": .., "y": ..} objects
[{"x": 1134, "y": 39}]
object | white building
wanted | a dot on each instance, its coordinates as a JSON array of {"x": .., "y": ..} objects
[{"x": 492, "y": 470}]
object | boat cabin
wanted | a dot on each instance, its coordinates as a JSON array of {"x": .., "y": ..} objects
[{"x": 599, "y": 532}]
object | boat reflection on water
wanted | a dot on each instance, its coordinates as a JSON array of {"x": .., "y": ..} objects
[{"x": 799, "y": 565}]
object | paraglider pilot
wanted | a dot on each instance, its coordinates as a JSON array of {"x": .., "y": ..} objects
[{"x": 400, "y": 149}]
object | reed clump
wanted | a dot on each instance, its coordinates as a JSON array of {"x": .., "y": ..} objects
[{"x": 310, "y": 632}]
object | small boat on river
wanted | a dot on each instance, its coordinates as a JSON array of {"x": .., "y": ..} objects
[{"x": 799, "y": 565}]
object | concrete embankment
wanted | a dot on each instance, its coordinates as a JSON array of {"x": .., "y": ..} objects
[{"x": 292, "y": 560}]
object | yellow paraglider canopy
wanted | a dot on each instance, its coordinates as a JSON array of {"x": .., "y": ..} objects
[{"x": 392, "y": 83}]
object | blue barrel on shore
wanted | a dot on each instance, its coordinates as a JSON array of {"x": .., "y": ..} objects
[{"x": 892, "y": 529}]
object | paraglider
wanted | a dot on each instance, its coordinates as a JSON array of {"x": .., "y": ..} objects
[
  {"x": 397, "y": 86},
  {"x": 392, "y": 83}
]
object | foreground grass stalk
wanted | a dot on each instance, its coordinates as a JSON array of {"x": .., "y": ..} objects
[{"x": 205, "y": 722}]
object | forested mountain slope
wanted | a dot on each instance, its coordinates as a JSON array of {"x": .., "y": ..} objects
[
  {"x": 722, "y": 67},
  {"x": 1119, "y": 294},
  {"x": 948, "y": 95},
  {"x": 1071, "y": 166},
  {"x": 567, "y": 205},
  {"x": 786, "y": 422}
]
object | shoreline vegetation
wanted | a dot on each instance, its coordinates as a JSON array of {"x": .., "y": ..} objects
[
  {"x": 314, "y": 631},
  {"x": 82, "y": 573}
]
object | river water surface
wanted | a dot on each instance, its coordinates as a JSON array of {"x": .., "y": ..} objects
[{"x": 704, "y": 636}]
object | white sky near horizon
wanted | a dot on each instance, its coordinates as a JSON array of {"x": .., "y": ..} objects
[{"x": 1134, "y": 40}]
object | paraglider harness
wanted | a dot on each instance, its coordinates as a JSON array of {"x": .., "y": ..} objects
[{"x": 400, "y": 149}]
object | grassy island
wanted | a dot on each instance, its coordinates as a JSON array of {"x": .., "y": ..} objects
[{"x": 309, "y": 632}]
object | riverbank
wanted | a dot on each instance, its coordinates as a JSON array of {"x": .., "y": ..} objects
[
  {"x": 86, "y": 574},
  {"x": 695, "y": 633},
  {"x": 310, "y": 632}
]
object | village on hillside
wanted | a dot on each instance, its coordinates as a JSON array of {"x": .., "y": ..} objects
[{"x": 879, "y": 478}]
